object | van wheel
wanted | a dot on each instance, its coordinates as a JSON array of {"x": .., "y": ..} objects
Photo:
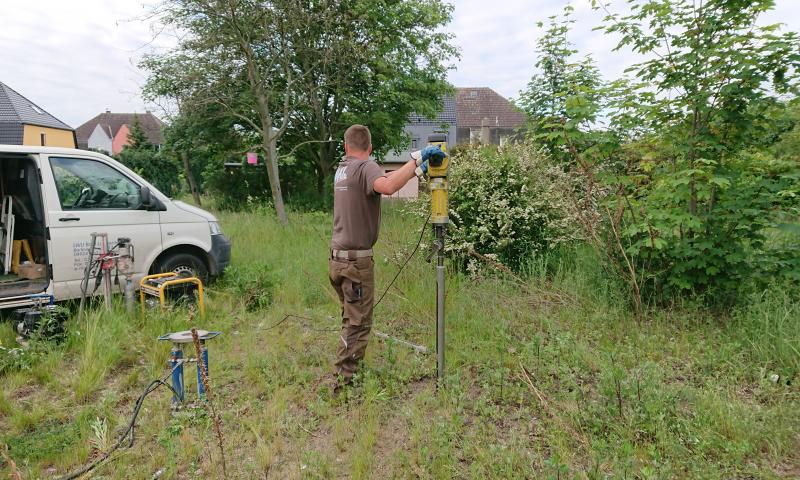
[{"x": 184, "y": 264}]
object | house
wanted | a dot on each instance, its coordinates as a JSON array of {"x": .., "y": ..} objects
[
  {"x": 22, "y": 122},
  {"x": 481, "y": 112},
  {"x": 472, "y": 115},
  {"x": 108, "y": 132},
  {"x": 418, "y": 129}
]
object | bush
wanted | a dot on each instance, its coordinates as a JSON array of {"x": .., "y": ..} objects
[
  {"x": 253, "y": 285},
  {"x": 509, "y": 203},
  {"x": 733, "y": 240},
  {"x": 154, "y": 167},
  {"x": 235, "y": 188}
]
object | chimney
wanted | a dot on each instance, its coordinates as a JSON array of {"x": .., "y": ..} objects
[
  {"x": 486, "y": 132},
  {"x": 108, "y": 110}
]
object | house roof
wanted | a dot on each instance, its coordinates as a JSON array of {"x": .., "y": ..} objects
[
  {"x": 475, "y": 104},
  {"x": 16, "y": 111},
  {"x": 112, "y": 122},
  {"x": 446, "y": 116}
]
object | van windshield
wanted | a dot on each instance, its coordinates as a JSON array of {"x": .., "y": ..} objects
[{"x": 90, "y": 184}]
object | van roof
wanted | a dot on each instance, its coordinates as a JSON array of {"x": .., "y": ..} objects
[{"x": 48, "y": 150}]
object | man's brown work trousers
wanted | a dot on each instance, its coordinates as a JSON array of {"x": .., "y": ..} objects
[{"x": 354, "y": 281}]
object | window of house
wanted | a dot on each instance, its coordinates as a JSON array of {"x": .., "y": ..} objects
[
  {"x": 43, "y": 139},
  {"x": 474, "y": 135},
  {"x": 414, "y": 144},
  {"x": 84, "y": 184}
]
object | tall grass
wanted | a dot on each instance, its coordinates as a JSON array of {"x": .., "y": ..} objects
[{"x": 554, "y": 378}]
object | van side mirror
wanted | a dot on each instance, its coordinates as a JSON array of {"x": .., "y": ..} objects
[
  {"x": 146, "y": 197},
  {"x": 148, "y": 201}
]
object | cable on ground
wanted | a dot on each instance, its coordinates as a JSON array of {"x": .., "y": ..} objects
[{"x": 130, "y": 431}]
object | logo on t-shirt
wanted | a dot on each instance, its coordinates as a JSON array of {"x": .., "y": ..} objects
[{"x": 341, "y": 176}]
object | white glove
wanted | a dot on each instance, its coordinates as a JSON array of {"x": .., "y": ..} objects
[{"x": 417, "y": 157}]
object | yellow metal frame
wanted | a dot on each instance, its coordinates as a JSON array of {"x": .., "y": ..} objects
[{"x": 159, "y": 291}]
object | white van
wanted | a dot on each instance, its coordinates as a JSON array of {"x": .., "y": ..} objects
[{"x": 58, "y": 197}]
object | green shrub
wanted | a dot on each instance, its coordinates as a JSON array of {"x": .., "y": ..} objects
[
  {"x": 509, "y": 203},
  {"x": 252, "y": 284},
  {"x": 236, "y": 188},
  {"x": 154, "y": 167},
  {"x": 730, "y": 241}
]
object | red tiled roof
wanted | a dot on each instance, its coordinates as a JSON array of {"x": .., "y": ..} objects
[
  {"x": 111, "y": 123},
  {"x": 475, "y": 104}
]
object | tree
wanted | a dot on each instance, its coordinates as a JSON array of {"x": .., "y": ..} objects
[
  {"x": 372, "y": 62},
  {"x": 695, "y": 208},
  {"x": 137, "y": 137},
  {"x": 297, "y": 72},
  {"x": 236, "y": 53},
  {"x": 199, "y": 138},
  {"x": 563, "y": 98}
]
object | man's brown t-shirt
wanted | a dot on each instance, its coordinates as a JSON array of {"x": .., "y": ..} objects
[{"x": 356, "y": 206}]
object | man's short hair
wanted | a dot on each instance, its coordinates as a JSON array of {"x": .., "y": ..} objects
[{"x": 358, "y": 137}]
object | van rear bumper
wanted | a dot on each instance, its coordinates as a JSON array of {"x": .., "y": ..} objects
[{"x": 219, "y": 255}]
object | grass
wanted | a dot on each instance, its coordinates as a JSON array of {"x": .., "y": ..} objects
[{"x": 553, "y": 380}]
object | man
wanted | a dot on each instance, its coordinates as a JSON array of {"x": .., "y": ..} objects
[{"x": 358, "y": 185}]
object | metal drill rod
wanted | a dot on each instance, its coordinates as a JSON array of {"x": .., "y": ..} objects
[{"x": 440, "y": 299}]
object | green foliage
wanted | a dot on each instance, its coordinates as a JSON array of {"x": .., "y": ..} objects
[
  {"x": 269, "y": 67},
  {"x": 723, "y": 245},
  {"x": 695, "y": 201},
  {"x": 253, "y": 285},
  {"x": 509, "y": 203},
  {"x": 236, "y": 188},
  {"x": 137, "y": 137},
  {"x": 18, "y": 358},
  {"x": 154, "y": 167},
  {"x": 564, "y": 98}
]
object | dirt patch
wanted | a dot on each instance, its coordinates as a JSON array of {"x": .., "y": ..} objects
[{"x": 24, "y": 392}]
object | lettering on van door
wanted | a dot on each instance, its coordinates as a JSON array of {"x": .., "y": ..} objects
[{"x": 80, "y": 254}]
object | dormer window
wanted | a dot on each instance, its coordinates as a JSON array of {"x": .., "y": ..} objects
[{"x": 37, "y": 110}]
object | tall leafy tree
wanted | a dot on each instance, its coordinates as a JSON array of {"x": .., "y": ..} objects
[
  {"x": 295, "y": 72},
  {"x": 695, "y": 210},
  {"x": 236, "y": 54},
  {"x": 372, "y": 62},
  {"x": 563, "y": 96}
]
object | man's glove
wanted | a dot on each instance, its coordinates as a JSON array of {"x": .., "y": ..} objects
[
  {"x": 433, "y": 154},
  {"x": 417, "y": 157},
  {"x": 422, "y": 169}
]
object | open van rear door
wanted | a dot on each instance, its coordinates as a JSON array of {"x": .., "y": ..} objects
[{"x": 86, "y": 195}]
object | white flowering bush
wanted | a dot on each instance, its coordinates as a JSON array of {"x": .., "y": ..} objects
[{"x": 509, "y": 203}]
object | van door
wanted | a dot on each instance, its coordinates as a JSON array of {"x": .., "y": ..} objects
[{"x": 89, "y": 195}]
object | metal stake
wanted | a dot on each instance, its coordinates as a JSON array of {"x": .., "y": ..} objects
[{"x": 440, "y": 298}]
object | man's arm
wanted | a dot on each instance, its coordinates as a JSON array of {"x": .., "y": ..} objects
[{"x": 394, "y": 181}]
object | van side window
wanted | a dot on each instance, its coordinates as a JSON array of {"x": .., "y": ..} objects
[{"x": 85, "y": 184}]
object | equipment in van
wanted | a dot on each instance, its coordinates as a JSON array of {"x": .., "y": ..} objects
[
  {"x": 171, "y": 286},
  {"x": 6, "y": 233},
  {"x": 176, "y": 361},
  {"x": 101, "y": 261}
]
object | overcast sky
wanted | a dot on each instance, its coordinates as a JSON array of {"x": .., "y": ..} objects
[{"x": 77, "y": 58}]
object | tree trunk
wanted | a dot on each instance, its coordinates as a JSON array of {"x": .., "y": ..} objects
[
  {"x": 268, "y": 138},
  {"x": 190, "y": 178},
  {"x": 271, "y": 161},
  {"x": 320, "y": 181}
]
